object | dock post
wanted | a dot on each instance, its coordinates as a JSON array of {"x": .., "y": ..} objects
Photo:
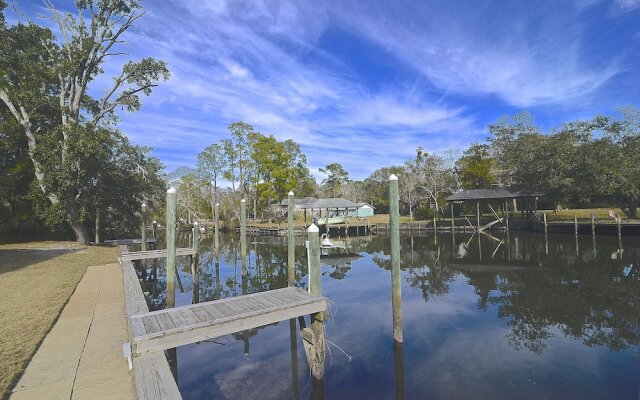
[
  {"x": 575, "y": 224},
  {"x": 143, "y": 235},
  {"x": 593, "y": 224},
  {"x": 291, "y": 244},
  {"x": 243, "y": 230},
  {"x": 506, "y": 214},
  {"x": 195, "y": 260},
  {"x": 154, "y": 229},
  {"x": 394, "y": 225},
  {"x": 171, "y": 247},
  {"x": 313, "y": 338},
  {"x": 544, "y": 218},
  {"x": 97, "y": 239},
  {"x": 619, "y": 227},
  {"x": 435, "y": 226},
  {"x": 453, "y": 221},
  {"x": 216, "y": 240}
]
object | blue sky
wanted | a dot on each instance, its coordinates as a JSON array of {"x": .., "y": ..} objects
[{"x": 364, "y": 83}]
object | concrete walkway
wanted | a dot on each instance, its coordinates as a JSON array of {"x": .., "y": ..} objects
[{"x": 81, "y": 358}]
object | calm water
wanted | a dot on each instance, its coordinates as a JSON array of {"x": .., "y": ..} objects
[{"x": 484, "y": 317}]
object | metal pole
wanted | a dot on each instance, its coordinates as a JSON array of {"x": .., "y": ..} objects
[
  {"x": 394, "y": 226},
  {"x": 171, "y": 247},
  {"x": 291, "y": 244},
  {"x": 243, "y": 230},
  {"x": 143, "y": 236}
]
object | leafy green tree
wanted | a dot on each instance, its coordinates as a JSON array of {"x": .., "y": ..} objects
[
  {"x": 44, "y": 86},
  {"x": 377, "y": 187},
  {"x": 476, "y": 167},
  {"x": 336, "y": 176},
  {"x": 240, "y": 132}
]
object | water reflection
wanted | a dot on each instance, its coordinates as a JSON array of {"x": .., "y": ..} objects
[{"x": 515, "y": 292}]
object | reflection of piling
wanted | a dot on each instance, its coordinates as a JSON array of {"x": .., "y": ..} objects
[
  {"x": 243, "y": 230},
  {"x": 314, "y": 337},
  {"x": 195, "y": 260},
  {"x": 398, "y": 369},
  {"x": 295, "y": 386},
  {"x": 216, "y": 240},
  {"x": 171, "y": 247},
  {"x": 97, "y": 239},
  {"x": 394, "y": 225},
  {"x": 291, "y": 258},
  {"x": 143, "y": 234}
]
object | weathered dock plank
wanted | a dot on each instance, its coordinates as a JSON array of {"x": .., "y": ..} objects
[
  {"x": 197, "y": 322},
  {"x": 120, "y": 242},
  {"x": 143, "y": 255},
  {"x": 152, "y": 374}
]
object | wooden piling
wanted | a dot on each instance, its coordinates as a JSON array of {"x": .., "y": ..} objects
[
  {"x": 97, "y": 238},
  {"x": 453, "y": 221},
  {"x": 171, "y": 247},
  {"x": 216, "y": 240},
  {"x": 506, "y": 215},
  {"x": 314, "y": 336},
  {"x": 575, "y": 224},
  {"x": 291, "y": 244},
  {"x": 394, "y": 228},
  {"x": 435, "y": 226},
  {"x": 544, "y": 218},
  {"x": 195, "y": 261},
  {"x": 154, "y": 229},
  {"x": 143, "y": 235},
  {"x": 593, "y": 224},
  {"x": 619, "y": 227},
  {"x": 243, "y": 230}
]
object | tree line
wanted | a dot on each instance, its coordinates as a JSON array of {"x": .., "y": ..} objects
[{"x": 61, "y": 154}]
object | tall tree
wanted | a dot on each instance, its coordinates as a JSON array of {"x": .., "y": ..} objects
[
  {"x": 35, "y": 69},
  {"x": 336, "y": 176},
  {"x": 241, "y": 131},
  {"x": 211, "y": 165},
  {"x": 231, "y": 162},
  {"x": 476, "y": 167}
]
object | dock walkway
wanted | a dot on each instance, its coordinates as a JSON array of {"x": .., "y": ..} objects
[
  {"x": 165, "y": 329},
  {"x": 144, "y": 255},
  {"x": 81, "y": 357}
]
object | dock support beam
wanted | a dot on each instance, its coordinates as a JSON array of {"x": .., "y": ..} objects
[
  {"x": 216, "y": 240},
  {"x": 243, "y": 230},
  {"x": 143, "y": 235},
  {"x": 97, "y": 239},
  {"x": 313, "y": 338},
  {"x": 171, "y": 247},
  {"x": 291, "y": 244},
  {"x": 394, "y": 226}
]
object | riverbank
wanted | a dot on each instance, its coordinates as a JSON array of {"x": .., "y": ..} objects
[{"x": 38, "y": 278}]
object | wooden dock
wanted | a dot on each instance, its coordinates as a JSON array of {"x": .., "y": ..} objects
[
  {"x": 144, "y": 255},
  {"x": 169, "y": 328},
  {"x": 152, "y": 332},
  {"x": 120, "y": 242}
]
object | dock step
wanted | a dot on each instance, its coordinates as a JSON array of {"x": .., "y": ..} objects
[
  {"x": 165, "y": 329},
  {"x": 143, "y": 255}
]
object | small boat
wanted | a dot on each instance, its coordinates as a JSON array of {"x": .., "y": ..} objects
[{"x": 331, "y": 221}]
